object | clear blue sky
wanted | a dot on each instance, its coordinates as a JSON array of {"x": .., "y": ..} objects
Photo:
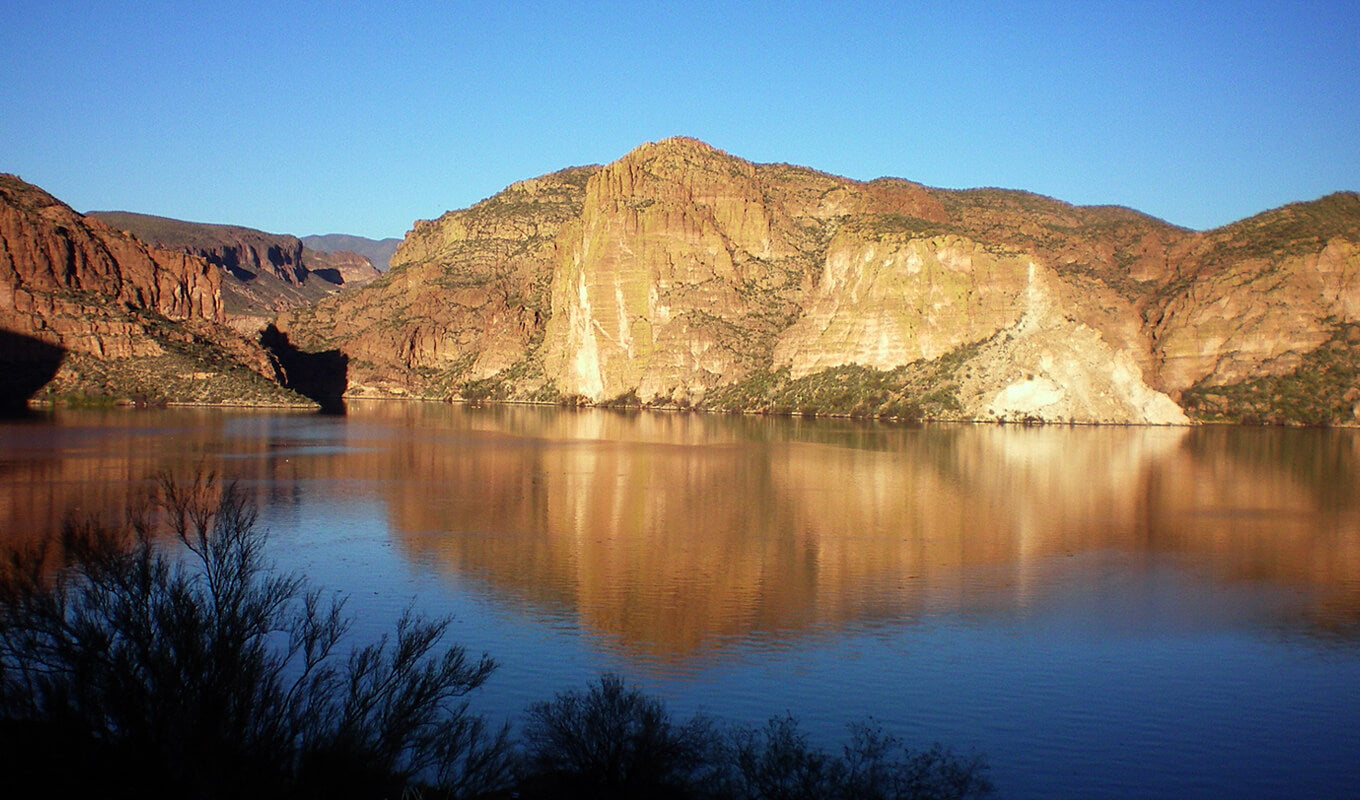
[{"x": 320, "y": 117}]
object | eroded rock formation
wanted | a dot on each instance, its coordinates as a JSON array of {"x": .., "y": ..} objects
[
  {"x": 469, "y": 302},
  {"x": 377, "y": 251},
  {"x": 115, "y": 318},
  {"x": 681, "y": 275},
  {"x": 341, "y": 268},
  {"x": 243, "y": 252}
]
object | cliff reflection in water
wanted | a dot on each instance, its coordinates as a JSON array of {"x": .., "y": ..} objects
[{"x": 670, "y": 534}]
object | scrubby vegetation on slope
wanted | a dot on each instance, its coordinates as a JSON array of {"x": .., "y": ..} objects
[
  {"x": 1323, "y": 390},
  {"x": 920, "y": 390}
]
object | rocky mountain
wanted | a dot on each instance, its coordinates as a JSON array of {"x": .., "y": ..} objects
[
  {"x": 243, "y": 252},
  {"x": 90, "y": 313},
  {"x": 264, "y": 273},
  {"x": 683, "y": 276},
  {"x": 378, "y": 251}
]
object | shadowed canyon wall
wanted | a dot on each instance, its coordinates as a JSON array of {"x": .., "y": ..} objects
[{"x": 262, "y": 273}]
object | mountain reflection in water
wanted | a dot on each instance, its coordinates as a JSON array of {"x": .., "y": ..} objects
[
  {"x": 671, "y": 534},
  {"x": 1105, "y": 612}
]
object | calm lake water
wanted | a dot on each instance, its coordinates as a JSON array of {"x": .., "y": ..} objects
[{"x": 1102, "y": 612}]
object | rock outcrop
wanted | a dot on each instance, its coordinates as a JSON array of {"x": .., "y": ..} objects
[
  {"x": 114, "y": 318},
  {"x": 1262, "y": 293},
  {"x": 681, "y": 275},
  {"x": 665, "y": 281},
  {"x": 469, "y": 300},
  {"x": 884, "y": 300},
  {"x": 49, "y": 248},
  {"x": 243, "y": 252}
]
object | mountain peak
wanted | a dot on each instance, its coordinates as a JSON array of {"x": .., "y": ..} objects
[
  {"x": 677, "y": 147},
  {"x": 679, "y": 143},
  {"x": 20, "y": 193}
]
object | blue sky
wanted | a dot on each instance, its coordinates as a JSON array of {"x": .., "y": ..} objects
[{"x": 320, "y": 117}]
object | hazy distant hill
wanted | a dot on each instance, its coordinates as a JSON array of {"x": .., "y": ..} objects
[
  {"x": 378, "y": 251},
  {"x": 680, "y": 275}
]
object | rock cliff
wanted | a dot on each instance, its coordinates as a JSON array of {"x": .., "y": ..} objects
[
  {"x": 468, "y": 301},
  {"x": 104, "y": 316},
  {"x": 681, "y": 275},
  {"x": 242, "y": 252}
]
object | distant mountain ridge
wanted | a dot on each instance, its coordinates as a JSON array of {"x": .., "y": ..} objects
[
  {"x": 266, "y": 272},
  {"x": 377, "y": 251},
  {"x": 680, "y": 275}
]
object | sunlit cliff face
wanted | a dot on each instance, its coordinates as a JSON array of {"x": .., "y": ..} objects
[
  {"x": 679, "y": 271},
  {"x": 669, "y": 534}
]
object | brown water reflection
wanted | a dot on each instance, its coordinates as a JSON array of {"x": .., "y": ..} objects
[
  {"x": 670, "y": 534},
  {"x": 83, "y": 464}
]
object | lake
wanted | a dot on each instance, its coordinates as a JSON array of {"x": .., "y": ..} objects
[{"x": 1103, "y": 612}]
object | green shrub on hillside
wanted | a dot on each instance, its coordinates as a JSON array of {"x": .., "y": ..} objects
[
  {"x": 1323, "y": 390},
  {"x": 920, "y": 390}
]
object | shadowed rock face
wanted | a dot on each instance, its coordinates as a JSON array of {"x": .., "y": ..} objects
[
  {"x": 26, "y": 365},
  {"x": 318, "y": 376},
  {"x": 107, "y": 316}
]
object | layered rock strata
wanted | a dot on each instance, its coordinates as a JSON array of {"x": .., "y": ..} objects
[
  {"x": 114, "y": 318},
  {"x": 679, "y": 272},
  {"x": 242, "y": 252},
  {"x": 344, "y": 268}
]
